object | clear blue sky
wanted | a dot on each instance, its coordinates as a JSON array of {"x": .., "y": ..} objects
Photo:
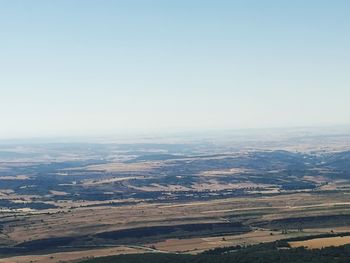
[{"x": 98, "y": 67}]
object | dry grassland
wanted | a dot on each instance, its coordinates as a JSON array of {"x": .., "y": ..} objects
[
  {"x": 322, "y": 242},
  {"x": 73, "y": 256},
  {"x": 123, "y": 167},
  {"x": 197, "y": 245}
]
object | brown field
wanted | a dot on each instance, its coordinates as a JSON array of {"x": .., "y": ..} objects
[
  {"x": 109, "y": 180},
  {"x": 123, "y": 167},
  {"x": 73, "y": 256},
  {"x": 17, "y": 177},
  {"x": 87, "y": 220},
  {"x": 159, "y": 188},
  {"x": 322, "y": 242},
  {"x": 231, "y": 171},
  {"x": 198, "y": 245},
  {"x": 59, "y": 193}
]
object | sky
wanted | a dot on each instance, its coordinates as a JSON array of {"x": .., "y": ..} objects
[{"x": 82, "y": 67}]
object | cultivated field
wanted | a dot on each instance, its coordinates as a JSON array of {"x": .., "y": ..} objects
[{"x": 322, "y": 242}]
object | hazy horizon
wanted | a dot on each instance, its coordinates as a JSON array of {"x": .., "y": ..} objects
[
  {"x": 184, "y": 136},
  {"x": 95, "y": 68}
]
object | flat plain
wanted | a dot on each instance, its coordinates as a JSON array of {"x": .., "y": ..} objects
[{"x": 69, "y": 201}]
